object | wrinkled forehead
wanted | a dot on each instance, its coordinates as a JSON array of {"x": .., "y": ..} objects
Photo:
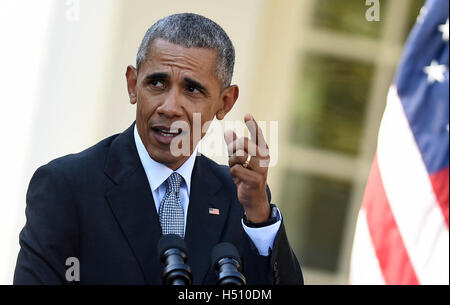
[{"x": 166, "y": 56}]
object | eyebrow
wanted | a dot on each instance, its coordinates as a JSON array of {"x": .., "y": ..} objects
[{"x": 156, "y": 76}]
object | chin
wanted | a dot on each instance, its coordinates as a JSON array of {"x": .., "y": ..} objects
[{"x": 166, "y": 158}]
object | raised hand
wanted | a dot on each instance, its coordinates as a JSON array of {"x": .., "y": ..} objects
[{"x": 249, "y": 164}]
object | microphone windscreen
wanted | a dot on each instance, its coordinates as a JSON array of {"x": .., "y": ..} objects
[
  {"x": 224, "y": 250},
  {"x": 170, "y": 241}
]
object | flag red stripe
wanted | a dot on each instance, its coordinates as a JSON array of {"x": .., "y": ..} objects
[
  {"x": 389, "y": 247},
  {"x": 439, "y": 181}
]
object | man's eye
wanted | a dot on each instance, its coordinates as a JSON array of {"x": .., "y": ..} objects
[
  {"x": 157, "y": 83},
  {"x": 192, "y": 89}
]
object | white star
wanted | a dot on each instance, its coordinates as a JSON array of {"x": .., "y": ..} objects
[
  {"x": 423, "y": 12},
  {"x": 435, "y": 72},
  {"x": 444, "y": 29}
]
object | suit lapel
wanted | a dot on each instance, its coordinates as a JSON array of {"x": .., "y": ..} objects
[
  {"x": 132, "y": 203},
  {"x": 203, "y": 228}
]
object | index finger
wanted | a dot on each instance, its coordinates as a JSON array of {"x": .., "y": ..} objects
[{"x": 255, "y": 131}]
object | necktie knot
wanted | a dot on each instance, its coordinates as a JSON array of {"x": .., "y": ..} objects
[{"x": 174, "y": 182}]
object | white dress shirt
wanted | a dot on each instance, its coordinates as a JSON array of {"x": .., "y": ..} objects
[{"x": 158, "y": 173}]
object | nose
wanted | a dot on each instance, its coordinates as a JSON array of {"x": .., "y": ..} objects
[{"x": 171, "y": 106}]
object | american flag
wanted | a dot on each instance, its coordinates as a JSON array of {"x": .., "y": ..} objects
[
  {"x": 214, "y": 211},
  {"x": 402, "y": 232}
]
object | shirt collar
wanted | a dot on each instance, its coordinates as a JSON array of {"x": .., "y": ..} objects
[{"x": 157, "y": 173}]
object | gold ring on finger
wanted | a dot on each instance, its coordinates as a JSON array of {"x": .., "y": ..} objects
[{"x": 246, "y": 163}]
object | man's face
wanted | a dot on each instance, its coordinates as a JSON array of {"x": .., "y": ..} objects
[{"x": 172, "y": 84}]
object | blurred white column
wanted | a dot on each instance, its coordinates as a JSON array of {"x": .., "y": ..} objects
[
  {"x": 23, "y": 29},
  {"x": 54, "y": 58}
]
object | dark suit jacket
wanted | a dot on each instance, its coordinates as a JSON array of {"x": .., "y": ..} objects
[{"x": 97, "y": 206}]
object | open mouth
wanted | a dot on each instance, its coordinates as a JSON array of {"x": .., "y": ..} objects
[
  {"x": 166, "y": 132},
  {"x": 165, "y": 135}
]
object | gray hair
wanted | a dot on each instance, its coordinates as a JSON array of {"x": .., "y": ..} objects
[{"x": 192, "y": 30}]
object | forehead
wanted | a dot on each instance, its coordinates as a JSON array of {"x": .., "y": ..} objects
[{"x": 164, "y": 56}]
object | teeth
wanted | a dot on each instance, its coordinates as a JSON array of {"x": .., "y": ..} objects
[{"x": 167, "y": 133}]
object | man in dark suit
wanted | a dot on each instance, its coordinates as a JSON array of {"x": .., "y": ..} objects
[{"x": 107, "y": 207}]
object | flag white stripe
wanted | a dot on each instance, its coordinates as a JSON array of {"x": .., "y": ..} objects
[
  {"x": 365, "y": 268},
  {"x": 411, "y": 196}
]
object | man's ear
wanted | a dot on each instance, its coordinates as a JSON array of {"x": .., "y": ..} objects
[
  {"x": 228, "y": 98},
  {"x": 131, "y": 75}
]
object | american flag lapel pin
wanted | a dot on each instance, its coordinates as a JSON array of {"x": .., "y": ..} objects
[{"x": 214, "y": 211}]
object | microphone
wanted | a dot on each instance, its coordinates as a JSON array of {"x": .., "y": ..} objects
[
  {"x": 227, "y": 263},
  {"x": 173, "y": 253}
]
